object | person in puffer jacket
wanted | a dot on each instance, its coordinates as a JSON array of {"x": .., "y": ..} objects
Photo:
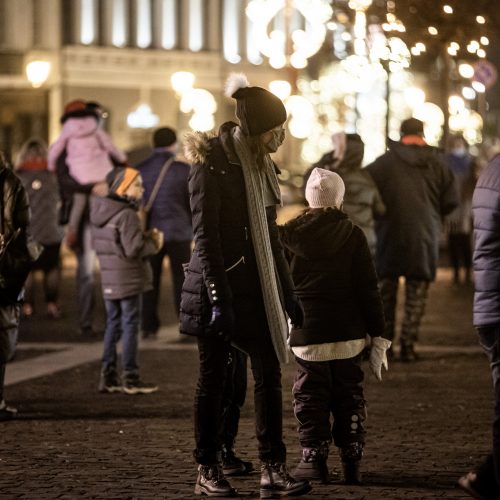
[
  {"x": 335, "y": 279},
  {"x": 122, "y": 248},
  {"x": 89, "y": 153},
  {"x": 484, "y": 481}
]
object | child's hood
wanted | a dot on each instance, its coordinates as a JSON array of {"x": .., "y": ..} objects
[
  {"x": 80, "y": 127},
  {"x": 317, "y": 233},
  {"x": 103, "y": 209}
]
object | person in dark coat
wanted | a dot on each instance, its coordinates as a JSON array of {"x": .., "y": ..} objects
[
  {"x": 15, "y": 217},
  {"x": 417, "y": 189},
  {"x": 484, "y": 481},
  {"x": 238, "y": 284},
  {"x": 170, "y": 213},
  {"x": 335, "y": 279},
  {"x": 362, "y": 200},
  {"x": 122, "y": 248},
  {"x": 42, "y": 190}
]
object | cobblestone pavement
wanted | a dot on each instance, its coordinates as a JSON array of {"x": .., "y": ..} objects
[{"x": 428, "y": 422}]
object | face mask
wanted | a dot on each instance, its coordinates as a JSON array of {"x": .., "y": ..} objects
[{"x": 276, "y": 141}]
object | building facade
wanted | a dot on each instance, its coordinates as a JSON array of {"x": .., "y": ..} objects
[{"x": 122, "y": 54}]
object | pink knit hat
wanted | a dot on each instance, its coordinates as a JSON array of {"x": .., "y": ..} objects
[{"x": 324, "y": 189}]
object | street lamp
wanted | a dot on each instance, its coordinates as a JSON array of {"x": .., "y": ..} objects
[{"x": 37, "y": 72}]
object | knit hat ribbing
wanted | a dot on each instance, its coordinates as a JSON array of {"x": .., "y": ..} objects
[
  {"x": 257, "y": 109},
  {"x": 120, "y": 179},
  {"x": 324, "y": 189}
]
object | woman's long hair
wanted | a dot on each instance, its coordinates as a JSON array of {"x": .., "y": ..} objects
[{"x": 258, "y": 151}]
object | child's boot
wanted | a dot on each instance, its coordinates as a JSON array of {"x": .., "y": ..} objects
[
  {"x": 313, "y": 464},
  {"x": 275, "y": 482},
  {"x": 351, "y": 460}
]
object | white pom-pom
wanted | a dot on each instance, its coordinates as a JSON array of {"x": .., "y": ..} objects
[{"x": 234, "y": 82}]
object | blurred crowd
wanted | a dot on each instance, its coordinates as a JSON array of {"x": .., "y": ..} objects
[{"x": 354, "y": 235}]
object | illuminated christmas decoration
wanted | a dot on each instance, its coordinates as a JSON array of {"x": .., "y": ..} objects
[{"x": 291, "y": 45}]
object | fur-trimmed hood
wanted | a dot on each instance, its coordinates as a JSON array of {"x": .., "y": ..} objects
[{"x": 197, "y": 145}]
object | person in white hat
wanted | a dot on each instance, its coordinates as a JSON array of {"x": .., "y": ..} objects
[{"x": 335, "y": 280}]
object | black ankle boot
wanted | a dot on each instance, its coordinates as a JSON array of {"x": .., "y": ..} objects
[
  {"x": 275, "y": 482},
  {"x": 233, "y": 465},
  {"x": 313, "y": 464},
  {"x": 211, "y": 482},
  {"x": 407, "y": 353},
  {"x": 351, "y": 460}
]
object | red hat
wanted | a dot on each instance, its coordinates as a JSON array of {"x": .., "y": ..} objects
[{"x": 78, "y": 108}]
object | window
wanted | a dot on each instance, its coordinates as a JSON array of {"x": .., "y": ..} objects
[
  {"x": 144, "y": 30},
  {"x": 168, "y": 24},
  {"x": 119, "y": 17},
  {"x": 88, "y": 30},
  {"x": 231, "y": 31},
  {"x": 195, "y": 25}
]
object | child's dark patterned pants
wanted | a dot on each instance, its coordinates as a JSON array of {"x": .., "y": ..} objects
[{"x": 329, "y": 388}]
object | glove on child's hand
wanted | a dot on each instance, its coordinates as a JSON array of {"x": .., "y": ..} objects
[{"x": 378, "y": 356}]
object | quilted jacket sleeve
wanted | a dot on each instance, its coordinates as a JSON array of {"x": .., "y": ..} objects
[
  {"x": 205, "y": 200},
  {"x": 486, "y": 260}
]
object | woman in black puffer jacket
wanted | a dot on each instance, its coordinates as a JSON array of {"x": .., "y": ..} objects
[{"x": 237, "y": 283}]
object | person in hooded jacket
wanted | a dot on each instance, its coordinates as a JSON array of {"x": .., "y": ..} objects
[
  {"x": 362, "y": 200},
  {"x": 335, "y": 279},
  {"x": 238, "y": 285},
  {"x": 122, "y": 248},
  {"x": 418, "y": 190},
  {"x": 42, "y": 191}
]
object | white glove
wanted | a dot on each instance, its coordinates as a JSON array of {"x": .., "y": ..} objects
[{"x": 378, "y": 356}]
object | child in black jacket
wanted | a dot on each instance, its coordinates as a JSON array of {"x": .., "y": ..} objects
[{"x": 336, "y": 282}]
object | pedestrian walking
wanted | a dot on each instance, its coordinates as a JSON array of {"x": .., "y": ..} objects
[
  {"x": 484, "y": 481},
  {"x": 82, "y": 156},
  {"x": 42, "y": 190},
  {"x": 335, "y": 279},
  {"x": 417, "y": 189},
  {"x": 458, "y": 224},
  {"x": 231, "y": 294},
  {"x": 122, "y": 248},
  {"x": 166, "y": 198},
  {"x": 14, "y": 220},
  {"x": 362, "y": 200}
]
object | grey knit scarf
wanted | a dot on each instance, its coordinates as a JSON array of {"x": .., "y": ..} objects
[{"x": 258, "y": 183}]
